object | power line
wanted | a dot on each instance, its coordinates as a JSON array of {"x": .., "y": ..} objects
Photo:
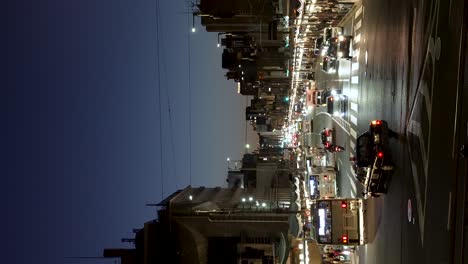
[
  {"x": 189, "y": 98},
  {"x": 163, "y": 65},
  {"x": 159, "y": 102}
]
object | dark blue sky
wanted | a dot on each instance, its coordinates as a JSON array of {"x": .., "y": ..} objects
[{"x": 83, "y": 121}]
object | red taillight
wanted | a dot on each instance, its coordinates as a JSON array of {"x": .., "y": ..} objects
[
  {"x": 376, "y": 122},
  {"x": 344, "y": 204},
  {"x": 327, "y": 144},
  {"x": 380, "y": 154},
  {"x": 344, "y": 239},
  {"x": 331, "y": 98},
  {"x": 325, "y": 177}
]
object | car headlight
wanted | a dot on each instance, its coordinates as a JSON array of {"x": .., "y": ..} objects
[
  {"x": 340, "y": 54},
  {"x": 341, "y": 38}
]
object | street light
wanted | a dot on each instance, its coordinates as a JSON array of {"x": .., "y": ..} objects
[{"x": 247, "y": 146}]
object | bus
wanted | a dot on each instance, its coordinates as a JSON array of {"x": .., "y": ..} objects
[{"x": 340, "y": 221}]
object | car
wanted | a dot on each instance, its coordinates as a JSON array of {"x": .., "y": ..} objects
[
  {"x": 318, "y": 45},
  {"x": 328, "y": 64},
  {"x": 337, "y": 105},
  {"x": 372, "y": 162},
  {"x": 331, "y": 32},
  {"x": 327, "y": 137}
]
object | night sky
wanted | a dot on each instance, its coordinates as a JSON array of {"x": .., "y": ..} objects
[{"x": 82, "y": 118}]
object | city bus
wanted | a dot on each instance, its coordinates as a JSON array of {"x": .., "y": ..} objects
[{"x": 340, "y": 221}]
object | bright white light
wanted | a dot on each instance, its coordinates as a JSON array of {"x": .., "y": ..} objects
[
  {"x": 263, "y": 204},
  {"x": 333, "y": 92},
  {"x": 340, "y": 54},
  {"x": 336, "y": 113},
  {"x": 250, "y": 198},
  {"x": 243, "y": 199},
  {"x": 217, "y": 45},
  {"x": 366, "y": 57},
  {"x": 341, "y": 38},
  {"x": 324, "y": 51},
  {"x": 301, "y": 246},
  {"x": 247, "y": 145},
  {"x": 321, "y": 213},
  {"x": 269, "y": 89},
  {"x": 190, "y": 197},
  {"x": 193, "y": 29}
]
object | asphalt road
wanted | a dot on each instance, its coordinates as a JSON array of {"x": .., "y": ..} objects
[{"x": 405, "y": 70}]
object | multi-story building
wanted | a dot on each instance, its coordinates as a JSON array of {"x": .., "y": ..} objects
[{"x": 214, "y": 225}]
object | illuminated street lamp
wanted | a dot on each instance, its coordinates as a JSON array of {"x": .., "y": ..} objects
[{"x": 247, "y": 146}]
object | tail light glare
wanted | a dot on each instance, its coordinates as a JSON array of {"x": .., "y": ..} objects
[
  {"x": 376, "y": 122},
  {"x": 380, "y": 154},
  {"x": 344, "y": 204},
  {"x": 344, "y": 239}
]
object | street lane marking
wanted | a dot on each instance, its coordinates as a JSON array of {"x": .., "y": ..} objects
[
  {"x": 354, "y": 106},
  {"x": 357, "y": 38},
  {"x": 356, "y": 54},
  {"x": 338, "y": 122},
  {"x": 358, "y": 12},
  {"x": 353, "y": 186},
  {"x": 353, "y": 119},
  {"x": 355, "y": 79},
  {"x": 357, "y": 25},
  {"x": 353, "y": 133}
]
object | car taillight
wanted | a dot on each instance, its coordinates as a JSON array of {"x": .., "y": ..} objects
[
  {"x": 380, "y": 154},
  {"x": 344, "y": 239},
  {"x": 325, "y": 177},
  {"x": 344, "y": 204},
  {"x": 376, "y": 122},
  {"x": 327, "y": 144}
]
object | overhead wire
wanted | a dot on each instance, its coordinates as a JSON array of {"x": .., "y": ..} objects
[
  {"x": 161, "y": 144},
  {"x": 189, "y": 98},
  {"x": 163, "y": 65}
]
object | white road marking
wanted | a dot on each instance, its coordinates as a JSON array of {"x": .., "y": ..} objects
[
  {"x": 356, "y": 54},
  {"x": 357, "y": 25},
  {"x": 353, "y": 119},
  {"x": 355, "y": 79},
  {"x": 353, "y": 133},
  {"x": 338, "y": 122},
  {"x": 357, "y": 38},
  {"x": 354, "y": 106},
  {"x": 358, "y": 12},
  {"x": 353, "y": 187}
]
